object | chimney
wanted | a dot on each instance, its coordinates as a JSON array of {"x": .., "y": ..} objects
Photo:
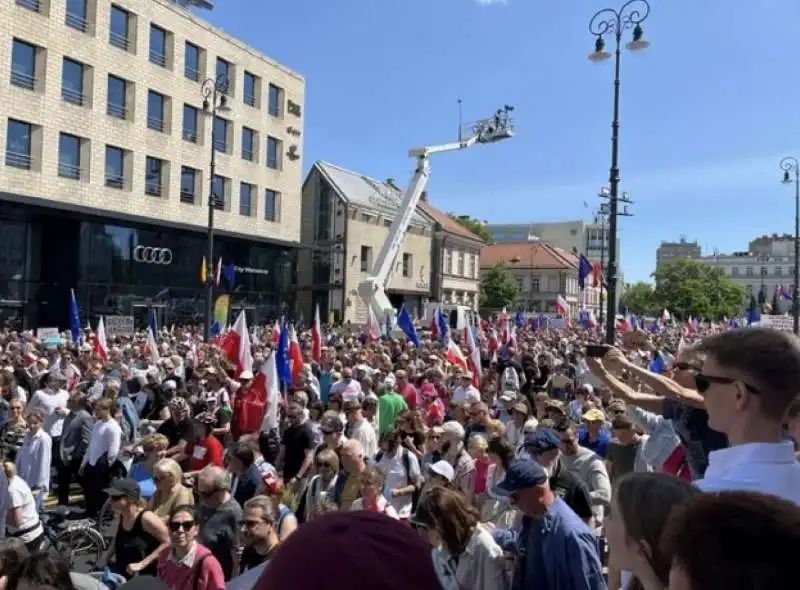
[{"x": 424, "y": 196}]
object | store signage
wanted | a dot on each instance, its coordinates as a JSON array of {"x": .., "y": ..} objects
[
  {"x": 252, "y": 271},
  {"x": 148, "y": 255},
  {"x": 118, "y": 325}
]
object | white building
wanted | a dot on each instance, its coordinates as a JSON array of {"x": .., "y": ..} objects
[{"x": 756, "y": 273}]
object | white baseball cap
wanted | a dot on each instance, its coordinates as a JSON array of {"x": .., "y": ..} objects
[{"x": 442, "y": 468}]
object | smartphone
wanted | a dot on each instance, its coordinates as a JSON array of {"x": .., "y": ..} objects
[{"x": 596, "y": 350}]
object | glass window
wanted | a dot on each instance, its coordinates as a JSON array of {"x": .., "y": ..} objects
[
  {"x": 190, "y": 120},
  {"x": 155, "y": 110},
  {"x": 158, "y": 45},
  {"x": 246, "y": 199},
  {"x": 248, "y": 143},
  {"x": 23, "y": 64},
  {"x": 408, "y": 266},
  {"x": 119, "y": 21},
  {"x": 249, "y": 89},
  {"x": 72, "y": 81},
  {"x": 218, "y": 191},
  {"x": 76, "y": 15},
  {"x": 220, "y": 134},
  {"x": 69, "y": 156},
  {"x": 191, "y": 59},
  {"x": 18, "y": 144},
  {"x": 271, "y": 200},
  {"x": 153, "y": 172},
  {"x": 224, "y": 73},
  {"x": 117, "y": 97},
  {"x": 188, "y": 184},
  {"x": 273, "y": 152},
  {"x": 366, "y": 256},
  {"x": 274, "y": 106},
  {"x": 34, "y": 5},
  {"x": 115, "y": 167}
]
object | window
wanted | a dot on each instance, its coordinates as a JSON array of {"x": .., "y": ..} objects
[
  {"x": 274, "y": 106},
  {"x": 23, "y": 65},
  {"x": 366, "y": 218},
  {"x": 735, "y": 271},
  {"x": 158, "y": 46},
  {"x": 535, "y": 285},
  {"x": 246, "y": 192},
  {"x": 366, "y": 258},
  {"x": 460, "y": 255},
  {"x": 188, "y": 184},
  {"x": 408, "y": 265},
  {"x": 248, "y": 143},
  {"x": 115, "y": 167},
  {"x": 191, "y": 62},
  {"x": 224, "y": 73},
  {"x": 272, "y": 201},
  {"x": 748, "y": 271},
  {"x": 69, "y": 156},
  {"x": 76, "y": 15},
  {"x": 191, "y": 117},
  {"x": 34, "y": 5},
  {"x": 119, "y": 27},
  {"x": 153, "y": 179},
  {"x": 117, "y": 97},
  {"x": 387, "y": 223},
  {"x": 72, "y": 73},
  {"x": 250, "y": 91},
  {"x": 220, "y": 134},
  {"x": 155, "y": 110},
  {"x": 218, "y": 191},
  {"x": 471, "y": 266},
  {"x": 18, "y": 144},
  {"x": 273, "y": 152},
  {"x": 448, "y": 261},
  {"x": 778, "y": 271}
]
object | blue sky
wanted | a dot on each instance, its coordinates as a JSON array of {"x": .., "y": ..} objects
[{"x": 707, "y": 111}]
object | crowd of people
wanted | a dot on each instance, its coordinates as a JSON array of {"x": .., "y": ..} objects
[{"x": 666, "y": 461}]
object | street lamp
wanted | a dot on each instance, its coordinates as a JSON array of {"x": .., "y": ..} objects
[
  {"x": 606, "y": 214},
  {"x": 600, "y": 219},
  {"x": 791, "y": 173},
  {"x": 214, "y": 100},
  {"x": 613, "y": 22}
]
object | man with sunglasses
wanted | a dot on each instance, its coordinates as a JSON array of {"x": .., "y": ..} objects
[
  {"x": 750, "y": 377},
  {"x": 218, "y": 516}
]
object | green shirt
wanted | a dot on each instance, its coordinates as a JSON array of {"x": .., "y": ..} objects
[{"x": 390, "y": 405}]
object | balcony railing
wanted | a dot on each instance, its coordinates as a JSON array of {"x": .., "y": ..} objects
[
  {"x": 191, "y": 73},
  {"x": 218, "y": 203},
  {"x": 34, "y": 5},
  {"x": 158, "y": 58},
  {"x": 19, "y": 160},
  {"x": 272, "y": 163},
  {"x": 247, "y": 154},
  {"x": 117, "y": 40},
  {"x": 152, "y": 188},
  {"x": 69, "y": 171},
  {"x": 155, "y": 123},
  {"x": 72, "y": 96},
  {"x": 245, "y": 209},
  {"x": 187, "y": 196},
  {"x": 117, "y": 110},
  {"x": 250, "y": 99},
  {"x": 23, "y": 79},
  {"x": 220, "y": 145},
  {"x": 115, "y": 181},
  {"x": 76, "y": 21},
  {"x": 190, "y": 134}
]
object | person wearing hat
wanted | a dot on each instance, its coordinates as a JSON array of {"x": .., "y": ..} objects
[
  {"x": 506, "y": 402},
  {"x": 556, "y": 548},
  {"x": 454, "y": 452},
  {"x": 595, "y": 436},
  {"x": 514, "y": 431},
  {"x": 466, "y": 391},
  {"x": 544, "y": 447}
]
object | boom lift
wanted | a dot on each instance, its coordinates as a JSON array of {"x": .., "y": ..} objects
[{"x": 373, "y": 289}]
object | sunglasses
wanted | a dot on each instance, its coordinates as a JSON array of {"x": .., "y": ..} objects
[
  {"x": 685, "y": 367},
  {"x": 177, "y": 526},
  {"x": 249, "y": 524},
  {"x": 702, "y": 382}
]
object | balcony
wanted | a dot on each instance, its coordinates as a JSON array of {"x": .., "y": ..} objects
[
  {"x": 190, "y": 134},
  {"x": 76, "y": 21},
  {"x": 116, "y": 110},
  {"x": 18, "y": 160},
  {"x": 158, "y": 58},
  {"x": 218, "y": 203},
  {"x": 250, "y": 99},
  {"x": 69, "y": 171},
  {"x": 115, "y": 181},
  {"x": 220, "y": 145},
  {"x": 187, "y": 196},
  {"x": 191, "y": 73},
  {"x": 247, "y": 154},
  {"x": 155, "y": 123},
  {"x": 73, "y": 97},
  {"x": 23, "y": 79},
  {"x": 120, "y": 41}
]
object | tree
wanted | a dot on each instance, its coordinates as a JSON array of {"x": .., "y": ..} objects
[
  {"x": 776, "y": 304},
  {"x": 762, "y": 297},
  {"x": 688, "y": 288},
  {"x": 498, "y": 289},
  {"x": 753, "y": 303},
  {"x": 640, "y": 299},
  {"x": 474, "y": 225}
]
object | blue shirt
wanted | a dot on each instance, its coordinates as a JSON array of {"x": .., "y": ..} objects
[
  {"x": 599, "y": 445},
  {"x": 558, "y": 552},
  {"x": 325, "y": 383}
]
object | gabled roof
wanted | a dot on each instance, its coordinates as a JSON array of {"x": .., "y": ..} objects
[
  {"x": 448, "y": 223},
  {"x": 365, "y": 192},
  {"x": 537, "y": 254}
]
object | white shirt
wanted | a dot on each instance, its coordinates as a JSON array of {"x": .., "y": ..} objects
[
  {"x": 48, "y": 403},
  {"x": 34, "y": 459},
  {"x": 348, "y": 389},
  {"x": 20, "y": 496},
  {"x": 106, "y": 438},
  {"x": 770, "y": 468},
  {"x": 396, "y": 477},
  {"x": 3, "y": 503},
  {"x": 363, "y": 432},
  {"x": 383, "y": 506},
  {"x": 466, "y": 394}
]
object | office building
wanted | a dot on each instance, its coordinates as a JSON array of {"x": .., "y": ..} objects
[
  {"x": 681, "y": 250},
  {"x": 106, "y": 171}
]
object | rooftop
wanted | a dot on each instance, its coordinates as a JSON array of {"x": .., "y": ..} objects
[
  {"x": 528, "y": 254},
  {"x": 448, "y": 223}
]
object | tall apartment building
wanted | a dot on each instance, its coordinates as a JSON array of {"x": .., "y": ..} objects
[
  {"x": 774, "y": 245},
  {"x": 105, "y": 179},
  {"x": 680, "y": 250}
]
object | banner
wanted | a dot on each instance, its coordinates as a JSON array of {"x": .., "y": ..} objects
[{"x": 779, "y": 322}]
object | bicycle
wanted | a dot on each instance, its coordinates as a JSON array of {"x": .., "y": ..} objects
[{"x": 80, "y": 545}]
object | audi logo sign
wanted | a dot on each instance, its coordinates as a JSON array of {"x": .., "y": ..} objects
[{"x": 148, "y": 255}]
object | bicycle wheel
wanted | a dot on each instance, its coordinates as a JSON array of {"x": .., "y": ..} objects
[
  {"x": 107, "y": 522},
  {"x": 82, "y": 548}
]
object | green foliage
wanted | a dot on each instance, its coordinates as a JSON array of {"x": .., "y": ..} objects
[
  {"x": 762, "y": 297},
  {"x": 499, "y": 289},
  {"x": 691, "y": 288},
  {"x": 640, "y": 299},
  {"x": 474, "y": 225},
  {"x": 776, "y": 304},
  {"x": 753, "y": 303}
]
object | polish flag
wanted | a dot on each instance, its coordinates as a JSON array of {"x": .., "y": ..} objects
[
  {"x": 152, "y": 348},
  {"x": 235, "y": 345},
  {"x": 316, "y": 337},
  {"x": 270, "y": 369},
  {"x": 434, "y": 325},
  {"x": 276, "y": 332},
  {"x": 373, "y": 327},
  {"x": 562, "y": 307},
  {"x": 100, "y": 344},
  {"x": 295, "y": 354},
  {"x": 455, "y": 356},
  {"x": 474, "y": 356}
]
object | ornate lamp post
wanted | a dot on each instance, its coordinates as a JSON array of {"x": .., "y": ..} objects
[{"x": 791, "y": 173}]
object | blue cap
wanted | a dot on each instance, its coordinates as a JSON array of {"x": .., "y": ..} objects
[
  {"x": 506, "y": 539},
  {"x": 541, "y": 441},
  {"x": 521, "y": 475}
]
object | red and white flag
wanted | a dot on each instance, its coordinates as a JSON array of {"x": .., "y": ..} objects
[
  {"x": 270, "y": 369},
  {"x": 235, "y": 345},
  {"x": 100, "y": 345},
  {"x": 455, "y": 356},
  {"x": 316, "y": 337},
  {"x": 276, "y": 332},
  {"x": 373, "y": 327},
  {"x": 562, "y": 307},
  {"x": 474, "y": 356},
  {"x": 295, "y": 354}
]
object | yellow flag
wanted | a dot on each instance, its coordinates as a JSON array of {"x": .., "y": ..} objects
[{"x": 204, "y": 271}]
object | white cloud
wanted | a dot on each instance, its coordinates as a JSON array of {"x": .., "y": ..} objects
[{"x": 491, "y": 2}]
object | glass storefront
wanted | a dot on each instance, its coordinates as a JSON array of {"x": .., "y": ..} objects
[{"x": 127, "y": 270}]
